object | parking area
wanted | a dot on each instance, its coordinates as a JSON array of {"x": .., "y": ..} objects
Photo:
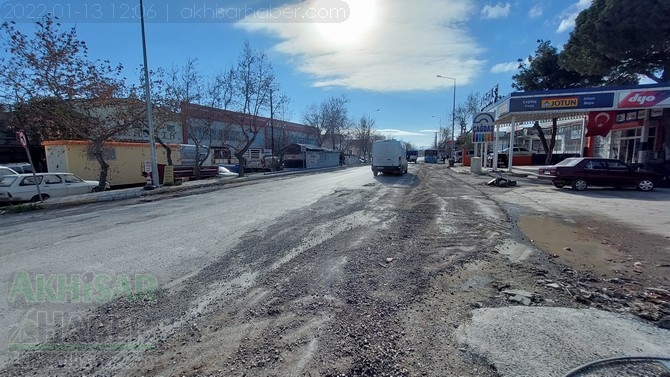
[{"x": 645, "y": 211}]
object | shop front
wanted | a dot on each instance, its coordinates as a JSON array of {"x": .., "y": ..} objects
[{"x": 631, "y": 123}]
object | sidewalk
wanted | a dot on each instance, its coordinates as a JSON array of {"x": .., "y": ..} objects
[
  {"x": 138, "y": 192},
  {"x": 524, "y": 171}
]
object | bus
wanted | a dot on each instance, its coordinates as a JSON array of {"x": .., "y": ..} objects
[{"x": 430, "y": 156}]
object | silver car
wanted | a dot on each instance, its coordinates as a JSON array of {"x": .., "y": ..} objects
[
  {"x": 7, "y": 171},
  {"x": 21, "y": 188}
]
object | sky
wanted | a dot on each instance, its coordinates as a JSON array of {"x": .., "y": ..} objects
[{"x": 383, "y": 55}]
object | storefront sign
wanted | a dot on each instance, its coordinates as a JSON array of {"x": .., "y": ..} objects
[
  {"x": 503, "y": 108},
  {"x": 490, "y": 97},
  {"x": 553, "y": 103},
  {"x": 566, "y": 102},
  {"x": 483, "y": 128},
  {"x": 644, "y": 98}
]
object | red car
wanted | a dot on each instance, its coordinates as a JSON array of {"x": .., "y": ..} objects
[{"x": 582, "y": 172}]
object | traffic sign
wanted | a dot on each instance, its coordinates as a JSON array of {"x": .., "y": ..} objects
[{"x": 22, "y": 138}]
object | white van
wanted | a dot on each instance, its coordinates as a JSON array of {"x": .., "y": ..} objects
[
  {"x": 458, "y": 155},
  {"x": 389, "y": 156}
]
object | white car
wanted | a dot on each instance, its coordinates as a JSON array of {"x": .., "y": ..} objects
[
  {"x": 20, "y": 188},
  {"x": 6, "y": 171},
  {"x": 518, "y": 151},
  {"x": 224, "y": 172}
]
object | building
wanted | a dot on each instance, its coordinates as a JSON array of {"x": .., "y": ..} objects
[
  {"x": 221, "y": 132},
  {"x": 628, "y": 123}
]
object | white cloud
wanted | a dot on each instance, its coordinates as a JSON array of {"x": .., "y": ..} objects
[
  {"x": 400, "y": 133},
  {"x": 535, "y": 11},
  {"x": 391, "y": 45},
  {"x": 421, "y": 139},
  {"x": 567, "y": 22},
  {"x": 497, "y": 11},
  {"x": 505, "y": 67}
]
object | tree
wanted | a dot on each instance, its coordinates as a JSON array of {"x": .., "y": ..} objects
[
  {"x": 57, "y": 92},
  {"x": 184, "y": 88},
  {"x": 363, "y": 134},
  {"x": 314, "y": 118},
  {"x": 444, "y": 138},
  {"x": 464, "y": 116},
  {"x": 330, "y": 120},
  {"x": 253, "y": 80},
  {"x": 162, "y": 114},
  {"x": 279, "y": 113},
  {"x": 336, "y": 119},
  {"x": 543, "y": 72},
  {"x": 621, "y": 40},
  {"x": 548, "y": 147}
]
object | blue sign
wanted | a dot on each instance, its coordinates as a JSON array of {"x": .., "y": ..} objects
[{"x": 565, "y": 101}]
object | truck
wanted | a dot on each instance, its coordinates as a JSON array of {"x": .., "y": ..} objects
[
  {"x": 412, "y": 155},
  {"x": 389, "y": 157}
]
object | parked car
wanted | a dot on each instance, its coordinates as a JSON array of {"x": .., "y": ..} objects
[
  {"x": 224, "y": 172},
  {"x": 518, "y": 151},
  {"x": 582, "y": 172},
  {"x": 21, "y": 188},
  {"x": 458, "y": 155},
  {"x": 503, "y": 155},
  {"x": 20, "y": 167},
  {"x": 7, "y": 171}
]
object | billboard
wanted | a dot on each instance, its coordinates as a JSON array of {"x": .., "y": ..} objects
[
  {"x": 636, "y": 99},
  {"x": 563, "y": 102}
]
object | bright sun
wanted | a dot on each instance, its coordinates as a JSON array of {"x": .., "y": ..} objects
[{"x": 360, "y": 21}]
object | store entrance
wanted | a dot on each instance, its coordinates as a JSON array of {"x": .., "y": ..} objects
[
  {"x": 628, "y": 150},
  {"x": 626, "y": 144}
]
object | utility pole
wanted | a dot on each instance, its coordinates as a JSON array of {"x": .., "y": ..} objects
[
  {"x": 272, "y": 127},
  {"x": 150, "y": 123},
  {"x": 453, "y": 116}
]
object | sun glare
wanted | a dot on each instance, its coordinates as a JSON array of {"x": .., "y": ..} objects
[{"x": 360, "y": 21}]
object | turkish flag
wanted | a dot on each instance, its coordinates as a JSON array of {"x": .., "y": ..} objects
[{"x": 600, "y": 123}]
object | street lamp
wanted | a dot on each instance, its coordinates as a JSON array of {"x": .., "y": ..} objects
[
  {"x": 147, "y": 93},
  {"x": 439, "y": 132},
  {"x": 453, "y": 116}
]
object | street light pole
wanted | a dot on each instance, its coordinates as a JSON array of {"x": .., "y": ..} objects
[
  {"x": 453, "y": 116},
  {"x": 439, "y": 131},
  {"x": 150, "y": 122},
  {"x": 272, "y": 129}
]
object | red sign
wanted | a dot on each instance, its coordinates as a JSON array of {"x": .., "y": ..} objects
[
  {"x": 22, "y": 138},
  {"x": 644, "y": 99},
  {"x": 600, "y": 123}
]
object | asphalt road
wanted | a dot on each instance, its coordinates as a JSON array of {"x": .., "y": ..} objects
[{"x": 165, "y": 240}]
